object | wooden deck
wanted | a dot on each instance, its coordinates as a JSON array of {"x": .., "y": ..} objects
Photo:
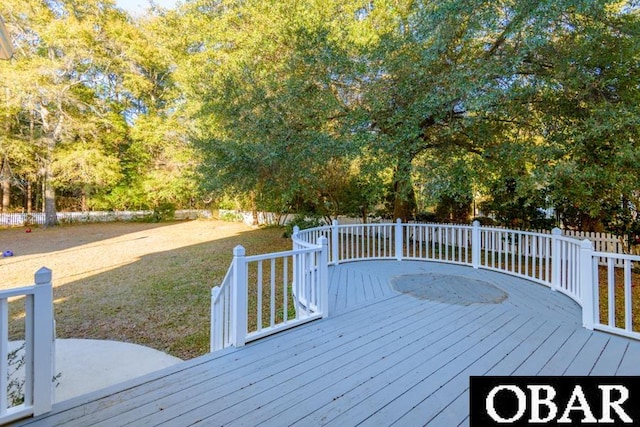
[{"x": 381, "y": 358}]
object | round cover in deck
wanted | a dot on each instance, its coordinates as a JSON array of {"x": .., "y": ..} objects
[{"x": 449, "y": 289}]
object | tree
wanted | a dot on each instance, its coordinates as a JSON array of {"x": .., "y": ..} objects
[
  {"x": 55, "y": 73},
  {"x": 263, "y": 76},
  {"x": 591, "y": 115},
  {"x": 87, "y": 92}
]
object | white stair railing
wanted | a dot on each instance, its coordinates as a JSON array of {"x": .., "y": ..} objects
[
  {"x": 39, "y": 348},
  {"x": 286, "y": 289}
]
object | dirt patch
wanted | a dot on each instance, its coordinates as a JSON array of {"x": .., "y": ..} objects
[{"x": 143, "y": 283}]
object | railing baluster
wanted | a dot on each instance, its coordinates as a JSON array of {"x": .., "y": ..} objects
[
  {"x": 285, "y": 289},
  {"x": 29, "y": 347},
  {"x": 4, "y": 352},
  {"x": 547, "y": 264},
  {"x": 628, "y": 296},
  {"x": 353, "y": 243},
  {"x": 273, "y": 292},
  {"x": 611, "y": 292},
  {"x": 595, "y": 274},
  {"x": 494, "y": 243},
  {"x": 259, "y": 296},
  {"x": 446, "y": 244},
  {"x": 514, "y": 249}
]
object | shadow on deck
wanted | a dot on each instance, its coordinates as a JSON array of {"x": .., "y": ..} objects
[{"x": 381, "y": 358}]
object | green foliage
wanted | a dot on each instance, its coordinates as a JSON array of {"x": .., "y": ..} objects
[
  {"x": 16, "y": 378},
  {"x": 231, "y": 217},
  {"x": 624, "y": 220},
  {"x": 303, "y": 222},
  {"x": 90, "y": 109},
  {"x": 452, "y": 210},
  {"x": 332, "y": 107},
  {"x": 15, "y": 386},
  {"x": 164, "y": 212}
]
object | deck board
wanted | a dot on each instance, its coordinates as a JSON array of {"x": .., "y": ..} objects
[
  {"x": 381, "y": 358},
  {"x": 630, "y": 359},
  {"x": 313, "y": 370},
  {"x": 421, "y": 391},
  {"x": 566, "y": 353},
  {"x": 345, "y": 368}
]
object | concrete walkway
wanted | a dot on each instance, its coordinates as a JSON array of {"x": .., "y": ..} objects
[{"x": 89, "y": 365}]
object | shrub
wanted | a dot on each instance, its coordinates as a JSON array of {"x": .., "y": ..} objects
[
  {"x": 164, "y": 212},
  {"x": 303, "y": 222},
  {"x": 232, "y": 217}
]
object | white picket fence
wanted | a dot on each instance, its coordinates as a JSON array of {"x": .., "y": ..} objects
[{"x": 38, "y": 218}]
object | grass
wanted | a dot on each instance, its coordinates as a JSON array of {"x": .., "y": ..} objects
[
  {"x": 147, "y": 284},
  {"x": 619, "y": 298},
  {"x": 260, "y": 293}
]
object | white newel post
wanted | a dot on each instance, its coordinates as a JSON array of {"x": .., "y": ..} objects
[
  {"x": 335, "y": 254},
  {"x": 587, "y": 287},
  {"x": 399, "y": 239},
  {"x": 43, "y": 339},
  {"x": 556, "y": 258},
  {"x": 476, "y": 245},
  {"x": 239, "y": 297},
  {"x": 324, "y": 276},
  {"x": 296, "y": 230}
]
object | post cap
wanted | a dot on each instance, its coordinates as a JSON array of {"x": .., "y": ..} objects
[{"x": 43, "y": 276}]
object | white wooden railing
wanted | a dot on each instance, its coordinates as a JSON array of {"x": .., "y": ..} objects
[
  {"x": 38, "y": 350},
  {"x": 562, "y": 263},
  {"x": 286, "y": 289},
  {"x": 612, "y": 293}
]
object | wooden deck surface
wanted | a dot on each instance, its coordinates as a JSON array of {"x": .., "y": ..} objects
[{"x": 381, "y": 358}]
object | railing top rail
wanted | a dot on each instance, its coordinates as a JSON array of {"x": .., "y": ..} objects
[
  {"x": 630, "y": 257},
  {"x": 296, "y": 238},
  {"x": 437, "y": 224},
  {"x": 374, "y": 225},
  {"x": 570, "y": 239},
  {"x": 524, "y": 232},
  {"x": 283, "y": 254},
  {"x": 227, "y": 276},
  {"x": 17, "y": 292}
]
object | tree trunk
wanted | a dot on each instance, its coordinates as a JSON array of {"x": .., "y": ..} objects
[
  {"x": 365, "y": 214},
  {"x": 6, "y": 194},
  {"x": 29, "y": 197},
  {"x": 5, "y": 185},
  {"x": 50, "y": 214},
  {"x": 83, "y": 200},
  {"x": 404, "y": 202},
  {"x": 254, "y": 208}
]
